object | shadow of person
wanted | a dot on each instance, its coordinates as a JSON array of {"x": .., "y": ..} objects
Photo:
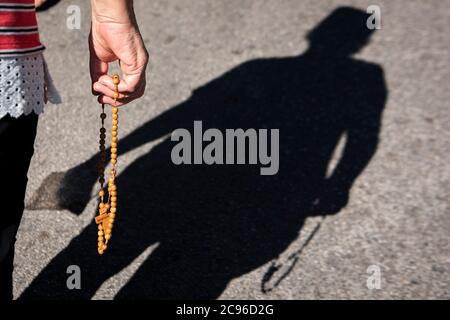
[{"x": 213, "y": 223}]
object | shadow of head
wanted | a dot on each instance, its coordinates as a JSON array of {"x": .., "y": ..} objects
[
  {"x": 342, "y": 33},
  {"x": 216, "y": 222}
]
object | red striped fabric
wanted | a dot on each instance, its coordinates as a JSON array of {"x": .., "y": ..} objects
[{"x": 18, "y": 28}]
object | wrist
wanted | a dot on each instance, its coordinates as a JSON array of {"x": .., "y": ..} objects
[{"x": 113, "y": 11}]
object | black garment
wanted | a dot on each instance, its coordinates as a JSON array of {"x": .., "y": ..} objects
[{"x": 16, "y": 149}]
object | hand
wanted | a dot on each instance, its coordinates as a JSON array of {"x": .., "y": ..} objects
[{"x": 115, "y": 36}]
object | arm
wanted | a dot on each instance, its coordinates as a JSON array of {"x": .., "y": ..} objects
[
  {"x": 115, "y": 36},
  {"x": 363, "y": 127}
]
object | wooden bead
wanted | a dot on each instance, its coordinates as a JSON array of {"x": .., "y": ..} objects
[
  {"x": 115, "y": 95},
  {"x": 103, "y": 116},
  {"x": 116, "y": 79}
]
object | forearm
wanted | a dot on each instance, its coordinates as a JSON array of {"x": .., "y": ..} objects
[
  {"x": 356, "y": 155},
  {"x": 116, "y": 11}
]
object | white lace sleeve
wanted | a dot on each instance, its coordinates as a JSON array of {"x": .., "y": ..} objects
[{"x": 23, "y": 82}]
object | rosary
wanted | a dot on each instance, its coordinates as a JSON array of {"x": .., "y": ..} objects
[{"x": 107, "y": 209}]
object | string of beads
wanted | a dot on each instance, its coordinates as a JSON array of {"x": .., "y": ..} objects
[{"x": 108, "y": 209}]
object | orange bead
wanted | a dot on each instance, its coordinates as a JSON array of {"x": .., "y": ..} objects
[
  {"x": 116, "y": 79},
  {"x": 115, "y": 95}
]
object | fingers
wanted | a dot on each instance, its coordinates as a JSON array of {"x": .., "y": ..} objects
[
  {"x": 97, "y": 68},
  {"x": 130, "y": 85},
  {"x": 100, "y": 89},
  {"x": 115, "y": 103},
  {"x": 127, "y": 91}
]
